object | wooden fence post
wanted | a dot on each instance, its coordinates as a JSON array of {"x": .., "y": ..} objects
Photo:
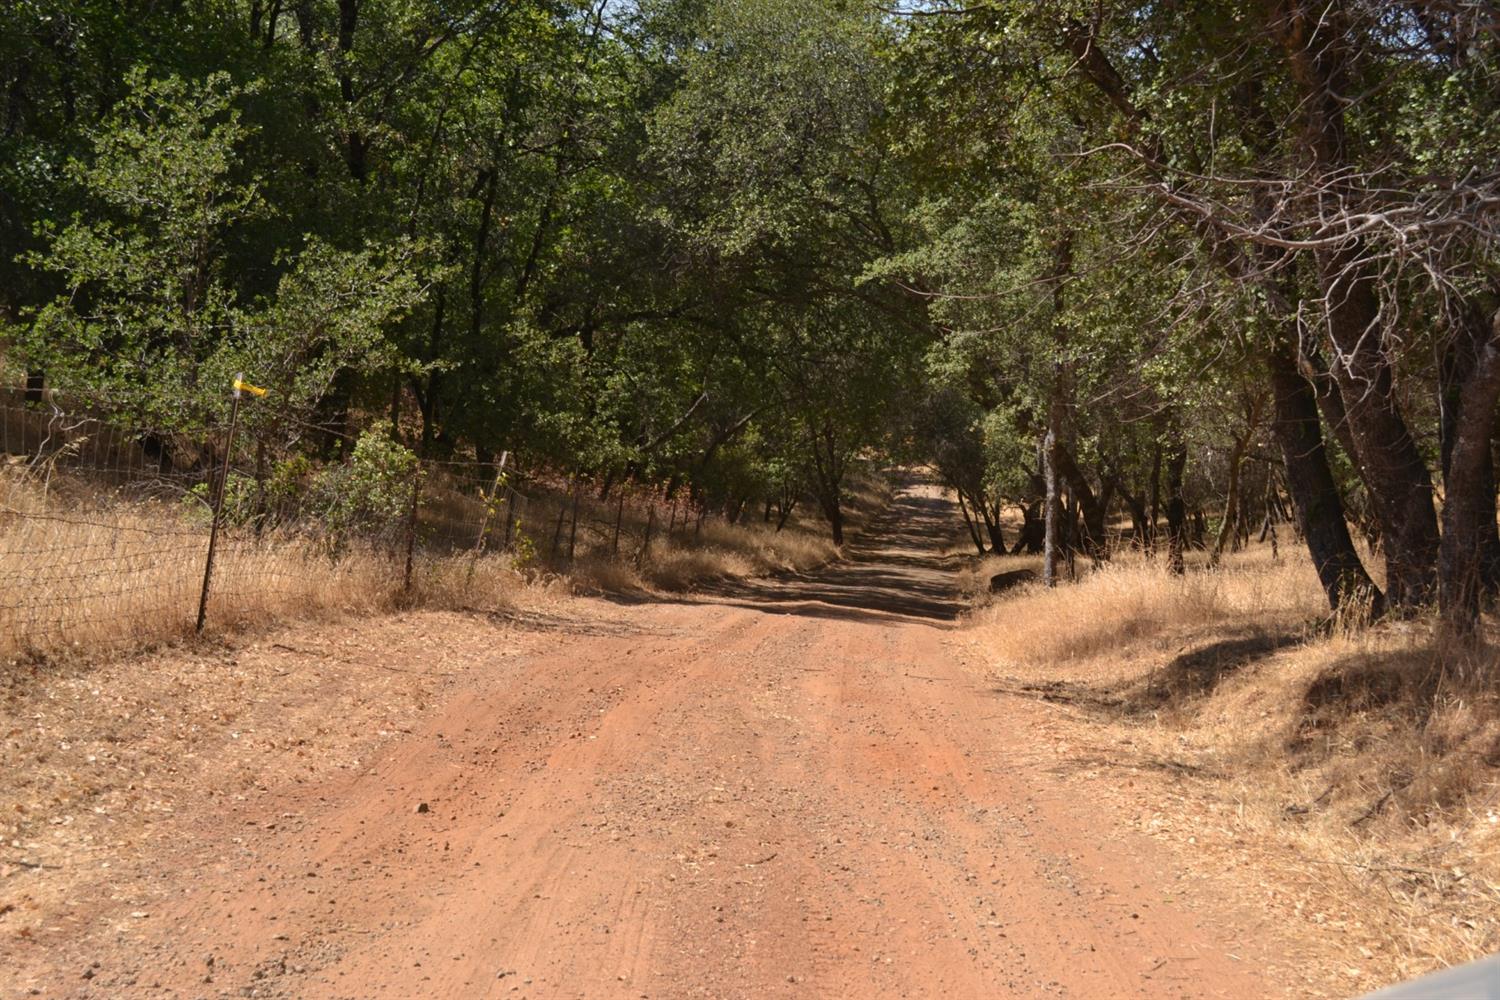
[
  {"x": 619, "y": 516},
  {"x": 640, "y": 558}
]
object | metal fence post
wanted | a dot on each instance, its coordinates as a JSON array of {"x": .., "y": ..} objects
[{"x": 218, "y": 499}]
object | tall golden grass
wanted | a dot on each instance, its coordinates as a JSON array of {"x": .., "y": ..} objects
[
  {"x": 692, "y": 552},
  {"x": 719, "y": 551},
  {"x": 129, "y": 575},
  {"x": 1132, "y": 599}
]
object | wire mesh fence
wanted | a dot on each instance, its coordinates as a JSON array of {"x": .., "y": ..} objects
[{"x": 105, "y": 529}]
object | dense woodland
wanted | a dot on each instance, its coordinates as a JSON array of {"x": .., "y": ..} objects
[{"x": 1196, "y": 267}]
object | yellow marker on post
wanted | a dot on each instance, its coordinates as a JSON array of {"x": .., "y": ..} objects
[{"x": 239, "y": 385}]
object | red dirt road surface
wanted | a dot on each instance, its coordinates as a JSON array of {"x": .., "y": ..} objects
[{"x": 789, "y": 788}]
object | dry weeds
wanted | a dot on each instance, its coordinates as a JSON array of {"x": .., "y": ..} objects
[
  {"x": 1342, "y": 779},
  {"x": 85, "y": 572},
  {"x": 105, "y": 578},
  {"x": 716, "y": 550}
]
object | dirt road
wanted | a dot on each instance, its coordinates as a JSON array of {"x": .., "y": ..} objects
[{"x": 793, "y": 788}]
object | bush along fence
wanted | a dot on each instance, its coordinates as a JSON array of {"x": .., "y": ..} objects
[{"x": 115, "y": 536}]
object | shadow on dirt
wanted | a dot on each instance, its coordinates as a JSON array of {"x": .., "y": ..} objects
[
  {"x": 1193, "y": 674},
  {"x": 1402, "y": 687},
  {"x": 895, "y": 569}
]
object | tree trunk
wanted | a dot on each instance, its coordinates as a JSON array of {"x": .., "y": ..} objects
[
  {"x": 427, "y": 396},
  {"x": 1459, "y": 365},
  {"x": 562, "y": 515},
  {"x": 356, "y": 149},
  {"x": 1394, "y": 472},
  {"x": 1052, "y": 509},
  {"x": 1315, "y": 495},
  {"x": 830, "y": 474},
  {"x": 1092, "y": 538},
  {"x": 1155, "y": 492},
  {"x": 1031, "y": 538},
  {"x": 1469, "y": 507},
  {"x": 1140, "y": 527},
  {"x": 974, "y": 535},
  {"x": 785, "y": 513},
  {"x": 1176, "y": 508},
  {"x": 1331, "y": 405},
  {"x": 834, "y": 511},
  {"x": 992, "y": 526},
  {"x": 1229, "y": 529}
]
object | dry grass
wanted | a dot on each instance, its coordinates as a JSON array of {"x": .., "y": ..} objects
[
  {"x": 720, "y": 551},
  {"x": 89, "y": 576},
  {"x": 1342, "y": 779},
  {"x": 973, "y": 579},
  {"x": 84, "y": 571},
  {"x": 725, "y": 550},
  {"x": 693, "y": 554},
  {"x": 1132, "y": 600}
]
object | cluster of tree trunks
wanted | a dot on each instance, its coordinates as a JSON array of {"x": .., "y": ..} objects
[{"x": 1356, "y": 393}]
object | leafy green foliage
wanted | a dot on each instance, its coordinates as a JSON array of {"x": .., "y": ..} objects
[
  {"x": 726, "y": 245},
  {"x": 370, "y": 494}
]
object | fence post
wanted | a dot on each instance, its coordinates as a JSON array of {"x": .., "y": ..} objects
[
  {"x": 646, "y": 543},
  {"x": 573, "y": 529},
  {"x": 619, "y": 516},
  {"x": 411, "y": 530},
  {"x": 484, "y": 522},
  {"x": 218, "y": 497}
]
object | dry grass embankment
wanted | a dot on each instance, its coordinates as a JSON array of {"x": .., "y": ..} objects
[{"x": 1342, "y": 779}]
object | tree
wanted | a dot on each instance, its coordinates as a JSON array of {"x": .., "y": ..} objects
[{"x": 149, "y": 322}]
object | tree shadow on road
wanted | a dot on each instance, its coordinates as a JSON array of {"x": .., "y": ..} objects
[
  {"x": 895, "y": 571},
  {"x": 1193, "y": 674}
]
